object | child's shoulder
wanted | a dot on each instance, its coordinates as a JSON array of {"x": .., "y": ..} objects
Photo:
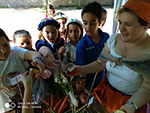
[
  {"x": 62, "y": 40},
  {"x": 106, "y": 34}
]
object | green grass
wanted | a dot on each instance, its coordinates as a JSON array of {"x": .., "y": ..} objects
[
  {"x": 78, "y": 7},
  {"x": 4, "y": 7}
]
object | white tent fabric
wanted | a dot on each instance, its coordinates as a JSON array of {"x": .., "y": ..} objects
[{"x": 117, "y": 5}]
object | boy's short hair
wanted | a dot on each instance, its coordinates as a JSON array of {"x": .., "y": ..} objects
[
  {"x": 94, "y": 8},
  {"x": 20, "y": 33},
  {"x": 104, "y": 10}
]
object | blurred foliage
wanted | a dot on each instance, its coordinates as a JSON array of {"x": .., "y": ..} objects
[{"x": 78, "y": 7}]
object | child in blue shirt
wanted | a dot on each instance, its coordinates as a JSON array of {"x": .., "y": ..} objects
[
  {"x": 50, "y": 43},
  {"x": 90, "y": 46}
]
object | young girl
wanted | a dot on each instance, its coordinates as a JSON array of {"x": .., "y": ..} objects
[
  {"x": 50, "y": 11},
  {"x": 12, "y": 62},
  {"x": 52, "y": 41},
  {"x": 74, "y": 33},
  {"x": 61, "y": 19}
]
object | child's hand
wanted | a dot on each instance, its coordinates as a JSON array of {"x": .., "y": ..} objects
[
  {"x": 50, "y": 60},
  {"x": 61, "y": 51},
  {"x": 38, "y": 63},
  {"x": 27, "y": 79},
  {"x": 46, "y": 74}
]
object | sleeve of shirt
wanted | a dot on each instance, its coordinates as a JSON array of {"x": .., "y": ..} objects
[
  {"x": 80, "y": 54},
  {"x": 19, "y": 51},
  {"x": 106, "y": 35},
  {"x": 67, "y": 48},
  {"x": 39, "y": 44}
]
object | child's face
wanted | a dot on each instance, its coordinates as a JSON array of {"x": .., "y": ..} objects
[
  {"x": 4, "y": 48},
  {"x": 103, "y": 20},
  {"x": 50, "y": 12},
  {"x": 74, "y": 32},
  {"x": 62, "y": 23},
  {"x": 90, "y": 23},
  {"x": 50, "y": 33},
  {"x": 24, "y": 42}
]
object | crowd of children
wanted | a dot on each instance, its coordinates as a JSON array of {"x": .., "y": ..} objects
[
  {"x": 58, "y": 40},
  {"x": 62, "y": 41}
]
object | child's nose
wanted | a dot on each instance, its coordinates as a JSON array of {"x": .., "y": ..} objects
[
  {"x": 50, "y": 34},
  {"x": 73, "y": 33},
  {"x": 88, "y": 27}
]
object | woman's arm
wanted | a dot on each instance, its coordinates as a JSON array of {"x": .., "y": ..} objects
[
  {"x": 141, "y": 97},
  {"x": 93, "y": 67},
  {"x": 96, "y": 66}
]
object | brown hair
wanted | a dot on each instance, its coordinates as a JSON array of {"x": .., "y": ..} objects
[{"x": 2, "y": 33}]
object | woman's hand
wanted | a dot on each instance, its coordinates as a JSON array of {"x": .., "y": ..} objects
[
  {"x": 50, "y": 60},
  {"x": 27, "y": 79},
  {"x": 77, "y": 71},
  {"x": 128, "y": 108},
  {"x": 61, "y": 51}
]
